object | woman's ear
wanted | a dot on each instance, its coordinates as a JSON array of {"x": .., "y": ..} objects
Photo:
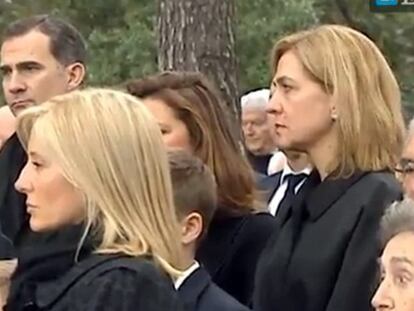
[
  {"x": 334, "y": 110},
  {"x": 76, "y": 74}
]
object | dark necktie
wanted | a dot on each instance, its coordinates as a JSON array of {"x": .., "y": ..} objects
[
  {"x": 286, "y": 203},
  {"x": 272, "y": 270}
]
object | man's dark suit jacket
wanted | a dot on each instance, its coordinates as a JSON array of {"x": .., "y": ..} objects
[
  {"x": 231, "y": 249},
  {"x": 333, "y": 264},
  {"x": 199, "y": 293},
  {"x": 268, "y": 185}
]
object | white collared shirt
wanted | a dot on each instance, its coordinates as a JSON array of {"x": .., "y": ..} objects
[
  {"x": 180, "y": 280},
  {"x": 280, "y": 192}
]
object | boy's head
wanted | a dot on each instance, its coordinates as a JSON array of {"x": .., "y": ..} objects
[{"x": 195, "y": 195}]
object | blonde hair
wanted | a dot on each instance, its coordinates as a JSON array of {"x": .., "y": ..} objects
[
  {"x": 350, "y": 66},
  {"x": 110, "y": 148}
]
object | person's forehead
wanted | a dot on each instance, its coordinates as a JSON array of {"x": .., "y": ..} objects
[
  {"x": 254, "y": 112},
  {"x": 32, "y": 46},
  {"x": 400, "y": 246}
]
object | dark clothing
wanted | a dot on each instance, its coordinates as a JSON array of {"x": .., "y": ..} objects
[
  {"x": 267, "y": 185},
  {"x": 107, "y": 283},
  {"x": 231, "y": 250},
  {"x": 325, "y": 259},
  {"x": 41, "y": 256},
  {"x": 270, "y": 184},
  {"x": 259, "y": 162},
  {"x": 12, "y": 203},
  {"x": 199, "y": 293},
  {"x": 45, "y": 257}
]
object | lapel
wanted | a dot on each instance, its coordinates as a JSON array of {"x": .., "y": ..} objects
[
  {"x": 193, "y": 288},
  {"x": 6, "y": 166},
  {"x": 271, "y": 183},
  {"x": 328, "y": 192}
]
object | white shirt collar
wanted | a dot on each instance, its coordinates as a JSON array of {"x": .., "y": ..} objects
[
  {"x": 180, "y": 280},
  {"x": 288, "y": 171}
]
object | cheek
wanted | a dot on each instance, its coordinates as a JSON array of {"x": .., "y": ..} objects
[
  {"x": 57, "y": 210},
  {"x": 404, "y": 299},
  {"x": 178, "y": 138},
  {"x": 307, "y": 117},
  {"x": 47, "y": 85}
]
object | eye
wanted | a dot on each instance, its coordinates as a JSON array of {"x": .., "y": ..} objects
[
  {"x": 286, "y": 87},
  {"x": 401, "y": 280},
  {"x": 5, "y": 72},
  {"x": 36, "y": 164},
  {"x": 164, "y": 131}
]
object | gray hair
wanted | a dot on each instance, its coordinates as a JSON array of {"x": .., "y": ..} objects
[
  {"x": 398, "y": 218},
  {"x": 256, "y": 99}
]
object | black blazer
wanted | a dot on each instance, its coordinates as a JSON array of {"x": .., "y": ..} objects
[
  {"x": 105, "y": 283},
  {"x": 12, "y": 203},
  {"x": 269, "y": 184},
  {"x": 231, "y": 250},
  {"x": 334, "y": 260},
  {"x": 199, "y": 293}
]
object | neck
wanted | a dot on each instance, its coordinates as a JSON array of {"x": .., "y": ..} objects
[
  {"x": 188, "y": 256},
  {"x": 298, "y": 163},
  {"x": 322, "y": 154}
]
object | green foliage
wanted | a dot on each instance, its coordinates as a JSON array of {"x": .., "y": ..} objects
[{"x": 260, "y": 23}]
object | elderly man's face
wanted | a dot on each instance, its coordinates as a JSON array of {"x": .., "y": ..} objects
[
  {"x": 396, "y": 290},
  {"x": 407, "y": 168},
  {"x": 258, "y": 136}
]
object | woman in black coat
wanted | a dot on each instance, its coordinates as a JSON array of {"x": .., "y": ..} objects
[
  {"x": 116, "y": 187},
  {"x": 335, "y": 98},
  {"x": 192, "y": 116}
]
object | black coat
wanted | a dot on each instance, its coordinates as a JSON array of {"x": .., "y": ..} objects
[
  {"x": 199, "y": 293},
  {"x": 334, "y": 259},
  {"x": 107, "y": 283},
  {"x": 231, "y": 250},
  {"x": 269, "y": 185},
  {"x": 12, "y": 203}
]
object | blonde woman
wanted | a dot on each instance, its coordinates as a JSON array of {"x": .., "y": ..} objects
[
  {"x": 335, "y": 98},
  {"x": 96, "y": 159}
]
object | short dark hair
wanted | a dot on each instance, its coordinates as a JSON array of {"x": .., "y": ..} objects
[
  {"x": 66, "y": 42},
  {"x": 194, "y": 187}
]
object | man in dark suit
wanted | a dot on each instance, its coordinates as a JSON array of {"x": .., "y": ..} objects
[
  {"x": 40, "y": 57},
  {"x": 195, "y": 199},
  {"x": 283, "y": 186}
]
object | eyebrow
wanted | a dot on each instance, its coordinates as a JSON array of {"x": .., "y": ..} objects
[
  {"x": 281, "y": 79},
  {"x": 396, "y": 260},
  {"x": 22, "y": 64},
  {"x": 34, "y": 154}
]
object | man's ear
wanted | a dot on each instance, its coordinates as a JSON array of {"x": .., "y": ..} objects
[
  {"x": 76, "y": 74},
  {"x": 192, "y": 228}
]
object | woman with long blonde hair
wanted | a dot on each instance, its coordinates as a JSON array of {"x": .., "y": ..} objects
[
  {"x": 335, "y": 98},
  {"x": 96, "y": 160}
]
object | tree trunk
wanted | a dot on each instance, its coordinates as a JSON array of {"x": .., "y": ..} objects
[{"x": 197, "y": 35}]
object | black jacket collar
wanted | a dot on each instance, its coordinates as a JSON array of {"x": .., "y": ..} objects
[{"x": 193, "y": 287}]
